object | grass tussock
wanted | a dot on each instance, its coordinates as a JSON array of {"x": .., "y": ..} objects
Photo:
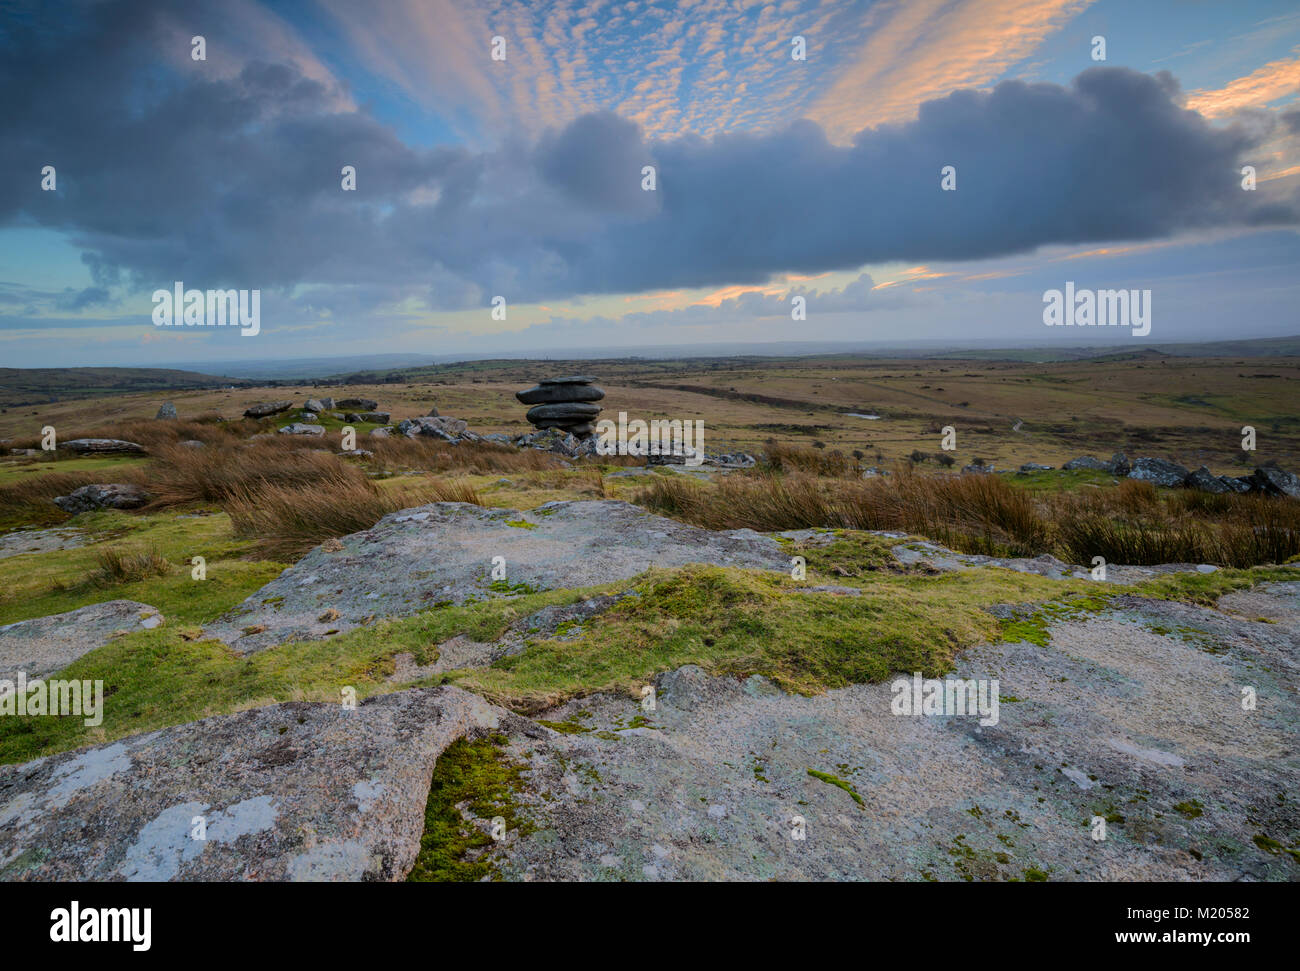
[
  {"x": 116, "y": 565},
  {"x": 285, "y": 521},
  {"x": 28, "y": 501},
  {"x": 1130, "y": 524},
  {"x": 780, "y": 457}
]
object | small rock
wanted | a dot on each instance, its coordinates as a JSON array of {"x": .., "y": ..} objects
[
  {"x": 298, "y": 428},
  {"x": 101, "y": 446},
  {"x": 166, "y": 413},
  {"x": 1158, "y": 471}
]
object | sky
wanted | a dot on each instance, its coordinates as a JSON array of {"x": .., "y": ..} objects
[{"x": 500, "y": 152}]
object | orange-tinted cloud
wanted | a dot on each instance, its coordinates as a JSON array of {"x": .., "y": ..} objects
[{"x": 1276, "y": 79}]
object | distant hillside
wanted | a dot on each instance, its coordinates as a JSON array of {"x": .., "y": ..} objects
[{"x": 30, "y": 386}]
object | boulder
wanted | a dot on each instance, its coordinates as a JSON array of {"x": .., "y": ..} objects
[
  {"x": 1274, "y": 481},
  {"x": 552, "y": 393},
  {"x": 1204, "y": 480},
  {"x": 299, "y": 428},
  {"x": 443, "y": 427},
  {"x": 192, "y": 443},
  {"x": 44, "y": 645},
  {"x": 1118, "y": 465},
  {"x": 166, "y": 413},
  {"x": 576, "y": 412},
  {"x": 432, "y": 413},
  {"x": 374, "y": 417},
  {"x": 315, "y": 404},
  {"x": 572, "y": 379},
  {"x": 1161, "y": 472},
  {"x": 1241, "y": 483},
  {"x": 1086, "y": 462},
  {"x": 379, "y": 433},
  {"x": 267, "y": 408},
  {"x": 107, "y": 495},
  {"x": 358, "y": 453},
  {"x": 291, "y": 792},
  {"x": 976, "y": 469},
  {"x": 357, "y": 404},
  {"x": 1035, "y": 467},
  {"x": 102, "y": 446},
  {"x": 416, "y": 557}
]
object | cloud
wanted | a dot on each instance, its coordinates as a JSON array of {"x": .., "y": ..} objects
[
  {"x": 232, "y": 179},
  {"x": 917, "y": 50},
  {"x": 1275, "y": 80}
]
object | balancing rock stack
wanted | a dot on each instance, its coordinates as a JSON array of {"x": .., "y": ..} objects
[{"x": 568, "y": 404}]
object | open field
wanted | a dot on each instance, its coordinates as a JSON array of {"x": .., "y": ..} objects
[{"x": 1190, "y": 410}]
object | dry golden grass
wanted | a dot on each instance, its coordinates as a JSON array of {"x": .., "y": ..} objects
[
  {"x": 399, "y": 453},
  {"x": 285, "y": 521},
  {"x": 1131, "y": 524}
]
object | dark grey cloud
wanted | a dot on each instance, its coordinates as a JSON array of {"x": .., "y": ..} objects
[{"x": 170, "y": 173}]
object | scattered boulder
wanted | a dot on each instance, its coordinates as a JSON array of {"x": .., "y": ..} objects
[
  {"x": 357, "y": 404},
  {"x": 1086, "y": 462},
  {"x": 192, "y": 443},
  {"x": 102, "y": 446},
  {"x": 977, "y": 469},
  {"x": 444, "y": 427},
  {"x": 166, "y": 413},
  {"x": 1035, "y": 467},
  {"x": 557, "y": 440},
  {"x": 1206, "y": 481},
  {"x": 267, "y": 408},
  {"x": 296, "y": 791},
  {"x": 1160, "y": 472},
  {"x": 300, "y": 428},
  {"x": 1275, "y": 481},
  {"x": 374, "y": 417},
  {"x": 380, "y": 433},
  {"x": 1240, "y": 483},
  {"x": 25, "y": 451},
  {"x": 358, "y": 453},
  {"x": 316, "y": 405},
  {"x": 432, "y": 413},
  {"x": 109, "y": 495},
  {"x": 1119, "y": 465},
  {"x": 44, "y": 645}
]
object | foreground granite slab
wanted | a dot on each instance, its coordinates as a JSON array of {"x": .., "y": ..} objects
[
  {"x": 296, "y": 791},
  {"x": 44, "y": 645},
  {"x": 443, "y": 553}
]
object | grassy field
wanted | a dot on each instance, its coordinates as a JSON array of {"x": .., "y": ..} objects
[
  {"x": 1187, "y": 409},
  {"x": 251, "y": 506}
]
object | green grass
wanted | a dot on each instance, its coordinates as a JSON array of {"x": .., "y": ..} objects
[
  {"x": 840, "y": 783},
  {"x": 39, "y": 584},
  {"x": 478, "y": 775}
]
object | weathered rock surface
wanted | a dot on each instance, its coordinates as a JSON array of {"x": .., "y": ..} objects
[
  {"x": 357, "y": 404},
  {"x": 570, "y": 411},
  {"x": 21, "y": 541},
  {"x": 46, "y": 644},
  {"x": 295, "y": 791},
  {"x": 318, "y": 405},
  {"x": 571, "y": 379},
  {"x": 374, "y": 417},
  {"x": 443, "y": 552},
  {"x": 102, "y": 446},
  {"x": 444, "y": 427},
  {"x": 1100, "y": 721},
  {"x": 1206, "y": 481},
  {"x": 1119, "y": 465},
  {"x": 1086, "y": 462},
  {"x": 941, "y": 558},
  {"x": 167, "y": 412},
  {"x": 103, "y": 495},
  {"x": 266, "y": 409},
  {"x": 302, "y": 428},
  {"x": 1276, "y": 482},
  {"x": 1161, "y": 472},
  {"x": 552, "y": 393}
]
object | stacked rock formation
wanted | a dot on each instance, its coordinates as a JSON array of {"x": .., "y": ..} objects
[{"x": 568, "y": 404}]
